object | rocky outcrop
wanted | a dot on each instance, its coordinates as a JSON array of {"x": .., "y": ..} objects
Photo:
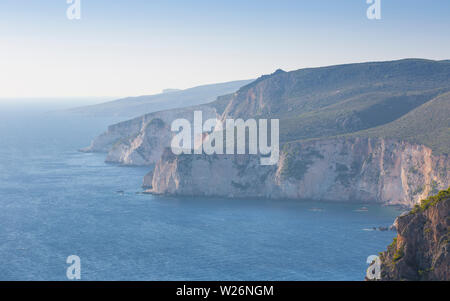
[
  {"x": 148, "y": 179},
  {"x": 141, "y": 141},
  {"x": 341, "y": 169},
  {"x": 217, "y": 175},
  {"x": 421, "y": 249},
  {"x": 391, "y": 119},
  {"x": 114, "y": 134}
]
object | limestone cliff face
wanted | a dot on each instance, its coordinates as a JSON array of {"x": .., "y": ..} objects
[
  {"x": 114, "y": 134},
  {"x": 406, "y": 100},
  {"x": 218, "y": 175},
  {"x": 141, "y": 141},
  {"x": 361, "y": 169},
  {"x": 421, "y": 250}
]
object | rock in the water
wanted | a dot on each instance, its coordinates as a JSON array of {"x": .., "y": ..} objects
[{"x": 148, "y": 178}]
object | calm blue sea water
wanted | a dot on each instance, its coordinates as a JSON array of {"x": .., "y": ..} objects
[{"x": 55, "y": 202}]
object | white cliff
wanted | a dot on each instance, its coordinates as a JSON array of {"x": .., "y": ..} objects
[
  {"x": 356, "y": 169},
  {"x": 141, "y": 141}
]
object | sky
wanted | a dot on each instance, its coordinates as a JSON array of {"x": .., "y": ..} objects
[{"x": 137, "y": 47}]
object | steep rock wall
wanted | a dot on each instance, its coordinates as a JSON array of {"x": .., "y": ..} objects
[
  {"x": 356, "y": 169},
  {"x": 422, "y": 247},
  {"x": 141, "y": 141}
]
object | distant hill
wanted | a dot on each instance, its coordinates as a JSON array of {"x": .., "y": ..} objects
[
  {"x": 170, "y": 99},
  {"x": 169, "y": 90},
  {"x": 405, "y": 99}
]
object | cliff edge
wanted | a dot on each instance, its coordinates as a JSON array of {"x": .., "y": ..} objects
[
  {"x": 421, "y": 249},
  {"x": 341, "y": 169}
]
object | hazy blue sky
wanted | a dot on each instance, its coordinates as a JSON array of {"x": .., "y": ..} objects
[{"x": 126, "y": 47}]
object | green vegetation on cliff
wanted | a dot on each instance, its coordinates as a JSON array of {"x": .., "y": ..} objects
[
  {"x": 405, "y": 100},
  {"x": 421, "y": 249},
  {"x": 429, "y": 124},
  {"x": 431, "y": 201}
]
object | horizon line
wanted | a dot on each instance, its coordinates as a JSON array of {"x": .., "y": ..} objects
[{"x": 117, "y": 97}]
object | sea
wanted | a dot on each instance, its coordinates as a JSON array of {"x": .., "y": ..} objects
[{"x": 56, "y": 202}]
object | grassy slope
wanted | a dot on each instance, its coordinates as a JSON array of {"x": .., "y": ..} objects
[
  {"x": 351, "y": 115},
  {"x": 404, "y": 99},
  {"x": 428, "y": 124}
]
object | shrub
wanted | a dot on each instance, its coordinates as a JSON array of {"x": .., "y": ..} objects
[
  {"x": 399, "y": 254},
  {"x": 431, "y": 201}
]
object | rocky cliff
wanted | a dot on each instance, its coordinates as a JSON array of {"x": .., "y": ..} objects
[
  {"x": 340, "y": 169},
  {"x": 374, "y": 132},
  {"x": 421, "y": 249},
  {"x": 141, "y": 141}
]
